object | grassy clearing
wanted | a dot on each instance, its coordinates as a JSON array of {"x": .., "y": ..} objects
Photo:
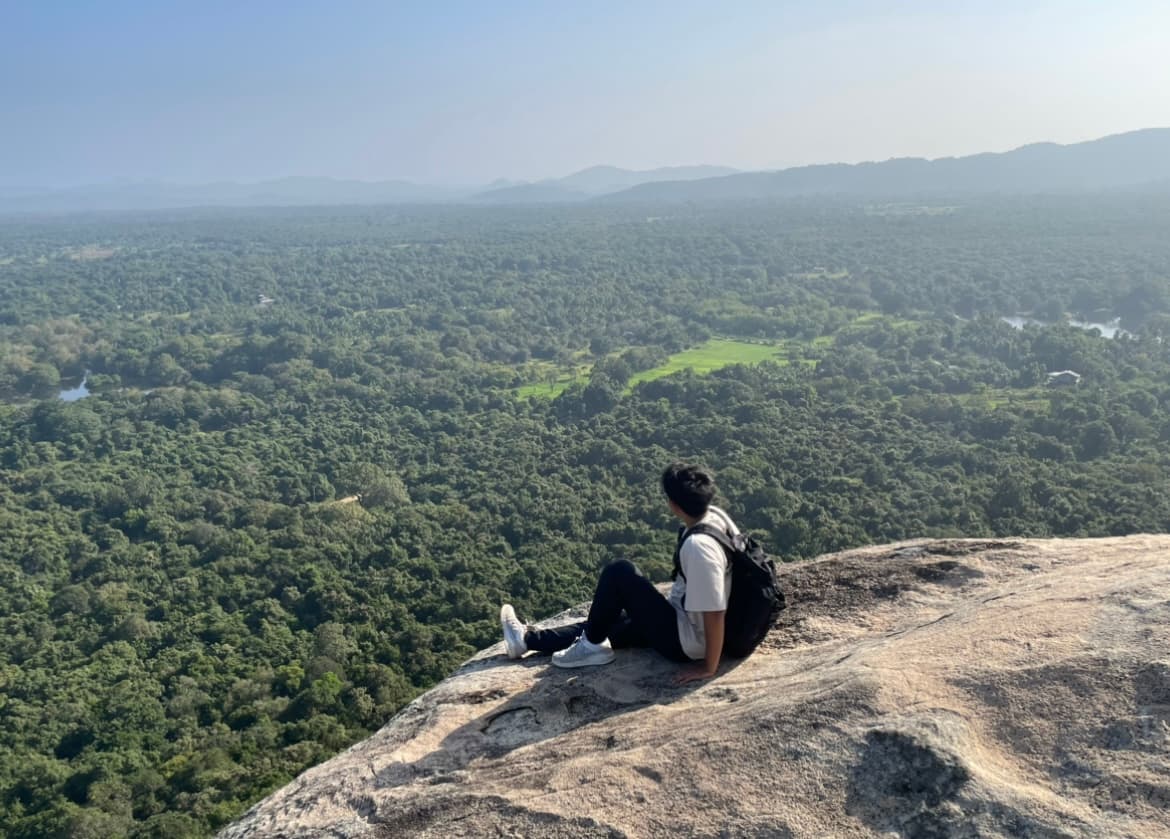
[
  {"x": 708, "y": 356},
  {"x": 872, "y": 317},
  {"x": 553, "y": 382},
  {"x": 1027, "y": 398},
  {"x": 549, "y": 382},
  {"x": 820, "y": 273},
  {"x": 383, "y": 311},
  {"x": 546, "y": 390},
  {"x": 90, "y": 253},
  {"x": 909, "y": 210},
  {"x": 712, "y": 355}
]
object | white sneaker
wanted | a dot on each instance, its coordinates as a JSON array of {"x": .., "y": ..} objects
[
  {"x": 584, "y": 654},
  {"x": 514, "y": 631}
]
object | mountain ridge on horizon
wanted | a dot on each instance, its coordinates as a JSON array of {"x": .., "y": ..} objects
[
  {"x": 602, "y": 179},
  {"x": 1129, "y": 159},
  {"x": 293, "y": 190}
]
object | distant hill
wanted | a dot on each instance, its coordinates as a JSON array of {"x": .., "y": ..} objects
[
  {"x": 1135, "y": 159},
  {"x": 305, "y": 191},
  {"x": 594, "y": 181},
  {"x": 601, "y": 179},
  {"x": 148, "y": 195},
  {"x": 545, "y": 192},
  {"x": 1138, "y": 159}
]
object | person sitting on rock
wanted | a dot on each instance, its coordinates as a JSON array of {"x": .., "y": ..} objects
[{"x": 629, "y": 611}]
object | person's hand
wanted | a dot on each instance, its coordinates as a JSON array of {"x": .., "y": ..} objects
[{"x": 693, "y": 673}]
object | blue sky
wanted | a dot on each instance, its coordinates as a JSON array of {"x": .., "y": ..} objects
[{"x": 466, "y": 92}]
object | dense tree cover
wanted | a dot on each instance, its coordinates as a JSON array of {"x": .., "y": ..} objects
[{"x": 193, "y": 608}]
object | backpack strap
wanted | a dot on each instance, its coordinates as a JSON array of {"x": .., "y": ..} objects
[{"x": 716, "y": 533}]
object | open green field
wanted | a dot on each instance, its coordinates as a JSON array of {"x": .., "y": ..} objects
[
  {"x": 712, "y": 355},
  {"x": 553, "y": 381},
  {"x": 824, "y": 274},
  {"x": 871, "y": 317},
  {"x": 547, "y": 390},
  {"x": 708, "y": 356},
  {"x": 717, "y": 353},
  {"x": 1027, "y": 398},
  {"x": 904, "y": 209}
]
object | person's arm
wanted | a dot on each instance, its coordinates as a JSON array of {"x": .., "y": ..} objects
[{"x": 713, "y": 624}]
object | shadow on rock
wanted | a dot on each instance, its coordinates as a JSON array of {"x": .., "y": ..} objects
[
  {"x": 901, "y": 783},
  {"x": 558, "y": 701}
]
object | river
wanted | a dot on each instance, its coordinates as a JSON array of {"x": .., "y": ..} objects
[
  {"x": 75, "y": 393},
  {"x": 1108, "y": 330}
]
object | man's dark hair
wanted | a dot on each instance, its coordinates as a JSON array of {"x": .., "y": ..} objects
[{"x": 690, "y": 487}]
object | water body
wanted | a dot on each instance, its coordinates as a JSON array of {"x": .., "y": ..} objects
[
  {"x": 79, "y": 392},
  {"x": 1108, "y": 330}
]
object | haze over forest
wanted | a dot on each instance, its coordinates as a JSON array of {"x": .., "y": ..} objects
[{"x": 1136, "y": 160}]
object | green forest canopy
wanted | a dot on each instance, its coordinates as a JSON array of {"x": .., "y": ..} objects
[{"x": 192, "y": 607}]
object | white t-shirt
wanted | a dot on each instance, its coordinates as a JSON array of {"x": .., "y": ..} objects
[{"x": 707, "y": 585}]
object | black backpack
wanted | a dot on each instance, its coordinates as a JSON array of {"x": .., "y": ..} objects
[{"x": 755, "y": 599}]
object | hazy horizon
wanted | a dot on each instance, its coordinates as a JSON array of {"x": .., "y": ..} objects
[{"x": 468, "y": 94}]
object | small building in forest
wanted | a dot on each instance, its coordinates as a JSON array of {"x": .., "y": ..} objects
[{"x": 1064, "y": 378}]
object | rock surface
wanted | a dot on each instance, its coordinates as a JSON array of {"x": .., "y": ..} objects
[{"x": 947, "y": 688}]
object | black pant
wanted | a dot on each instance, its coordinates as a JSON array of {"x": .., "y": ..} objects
[{"x": 627, "y": 609}]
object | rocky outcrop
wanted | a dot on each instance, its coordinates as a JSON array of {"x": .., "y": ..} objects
[{"x": 953, "y": 688}]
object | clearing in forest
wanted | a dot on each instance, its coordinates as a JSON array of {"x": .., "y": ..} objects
[
  {"x": 707, "y": 357},
  {"x": 712, "y": 355},
  {"x": 89, "y": 253},
  {"x": 553, "y": 381}
]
